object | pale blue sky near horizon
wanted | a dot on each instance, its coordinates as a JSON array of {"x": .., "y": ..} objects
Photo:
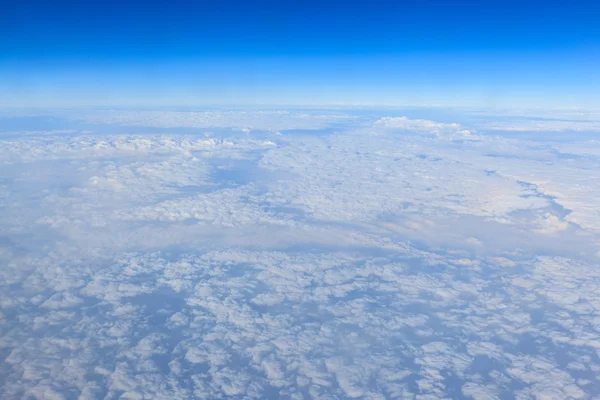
[{"x": 202, "y": 53}]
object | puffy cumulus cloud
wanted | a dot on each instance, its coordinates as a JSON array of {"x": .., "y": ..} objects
[
  {"x": 84, "y": 180},
  {"x": 359, "y": 264},
  {"x": 353, "y": 177},
  {"x": 85, "y": 147},
  {"x": 421, "y": 126},
  {"x": 356, "y": 176},
  {"x": 551, "y": 224},
  {"x": 116, "y": 178},
  {"x": 321, "y": 324},
  {"x": 227, "y": 207}
]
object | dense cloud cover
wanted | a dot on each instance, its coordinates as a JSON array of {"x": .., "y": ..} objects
[{"x": 299, "y": 254}]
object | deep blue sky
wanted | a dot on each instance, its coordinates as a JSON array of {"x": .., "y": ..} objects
[{"x": 209, "y": 52}]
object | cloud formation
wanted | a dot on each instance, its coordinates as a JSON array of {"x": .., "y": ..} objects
[{"x": 392, "y": 258}]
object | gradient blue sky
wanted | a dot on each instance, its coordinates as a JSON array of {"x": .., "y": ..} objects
[{"x": 141, "y": 53}]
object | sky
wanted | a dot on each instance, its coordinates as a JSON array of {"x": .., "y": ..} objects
[
  {"x": 299, "y": 200},
  {"x": 158, "y": 53}
]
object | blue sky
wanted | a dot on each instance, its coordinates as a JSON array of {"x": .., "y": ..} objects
[{"x": 527, "y": 53}]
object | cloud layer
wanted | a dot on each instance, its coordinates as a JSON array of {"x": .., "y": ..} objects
[{"x": 390, "y": 257}]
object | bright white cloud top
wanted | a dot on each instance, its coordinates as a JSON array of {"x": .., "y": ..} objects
[{"x": 324, "y": 254}]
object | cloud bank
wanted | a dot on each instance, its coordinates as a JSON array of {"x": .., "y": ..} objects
[{"x": 390, "y": 257}]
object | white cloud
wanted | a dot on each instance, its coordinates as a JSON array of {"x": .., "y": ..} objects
[
  {"x": 545, "y": 126},
  {"x": 421, "y": 126},
  {"x": 357, "y": 264}
]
